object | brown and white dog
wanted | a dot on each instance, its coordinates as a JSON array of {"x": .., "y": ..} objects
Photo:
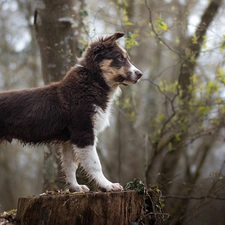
[{"x": 73, "y": 111}]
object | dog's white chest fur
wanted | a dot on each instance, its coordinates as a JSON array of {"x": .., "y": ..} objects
[{"x": 101, "y": 117}]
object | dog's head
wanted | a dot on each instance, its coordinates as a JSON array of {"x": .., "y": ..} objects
[{"x": 112, "y": 60}]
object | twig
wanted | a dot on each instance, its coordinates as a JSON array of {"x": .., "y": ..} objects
[{"x": 156, "y": 34}]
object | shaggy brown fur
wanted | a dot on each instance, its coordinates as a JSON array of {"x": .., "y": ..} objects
[
  {"x": 60, "y": 111},
  {"x": 66, "y": 110}
]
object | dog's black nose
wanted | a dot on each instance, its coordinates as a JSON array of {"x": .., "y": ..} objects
[{"x": 138, "y": 74}]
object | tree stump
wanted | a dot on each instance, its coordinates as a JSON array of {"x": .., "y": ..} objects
[{"x": 97, "y": 208}]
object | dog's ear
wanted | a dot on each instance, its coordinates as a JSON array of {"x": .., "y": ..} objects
[
  {"x": 114, "y": 37},
  {"x": 103, "y": 43}
]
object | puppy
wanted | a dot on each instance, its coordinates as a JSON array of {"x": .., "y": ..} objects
[{"x": 73, "y": 111}]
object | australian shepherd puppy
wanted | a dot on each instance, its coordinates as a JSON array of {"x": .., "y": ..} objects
[{"x": 73, "y": 111}]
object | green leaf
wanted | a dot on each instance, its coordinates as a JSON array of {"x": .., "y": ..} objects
[
  {"x": 161, "y": 117},
  {"x": 162, "y": 24},
  {"x": 194, "y": 79},
  {"x": 84, "y": 13},
  {"x": 126, "y": 21},
  {"x": 177, "y": 41},
  {"x": 222, "y": 44},
  {"x": 194, "y": 39},
  {"x": 136, "y": 185},
  {"x": 170, "y": 147},
  {"x": 130, "y": 40}
]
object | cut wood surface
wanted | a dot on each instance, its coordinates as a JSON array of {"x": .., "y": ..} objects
[{"x": 96, "y": 208}]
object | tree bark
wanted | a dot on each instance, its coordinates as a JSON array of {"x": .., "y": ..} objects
[
  {"x": 58, "y": 27},
  {"x": 81, "y": 209},
  {"x": 194, "y": 48}
]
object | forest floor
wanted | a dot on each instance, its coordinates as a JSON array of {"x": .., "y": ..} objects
[{"x": 8, "y": 218}]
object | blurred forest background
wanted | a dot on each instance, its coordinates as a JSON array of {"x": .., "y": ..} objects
[{"x": 167, "y": 130}]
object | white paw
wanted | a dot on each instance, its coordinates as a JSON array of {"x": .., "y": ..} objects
[
  {"x": 78, "y": 188},
  {"x": 112, "y": 187}
]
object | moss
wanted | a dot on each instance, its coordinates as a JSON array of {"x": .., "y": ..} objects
[
  {"x": 152, "y": 212},
  {"x": 8, "y": 217},
  {"x": 12, "y": 211}
]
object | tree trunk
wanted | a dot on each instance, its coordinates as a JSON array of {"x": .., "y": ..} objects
[
  {"x": 172, "y": 157},
  {"x": 194, "y": 48},
  {"x": 81, "y": 209},
  {"x": 56, "y": 23}
]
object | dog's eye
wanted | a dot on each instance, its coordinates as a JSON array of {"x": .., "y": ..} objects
[{"x": 121, "y": 58}]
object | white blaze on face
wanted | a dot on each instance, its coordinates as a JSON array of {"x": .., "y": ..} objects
[{"x": 135, "y": 73}]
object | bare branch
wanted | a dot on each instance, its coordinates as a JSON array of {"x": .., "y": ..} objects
[{"x": 156, "y": 34}]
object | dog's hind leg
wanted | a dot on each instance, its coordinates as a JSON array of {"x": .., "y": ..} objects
[
  {"x": 70, "y": 166},
  {"x": 89, "y": 161}
]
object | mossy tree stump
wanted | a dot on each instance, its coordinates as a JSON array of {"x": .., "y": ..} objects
[{"x": 106, "y": 208}]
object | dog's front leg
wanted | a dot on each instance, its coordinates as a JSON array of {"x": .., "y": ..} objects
[
  {"x": 70, "y": 166},
  {"x": 89, "y": 161}
]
